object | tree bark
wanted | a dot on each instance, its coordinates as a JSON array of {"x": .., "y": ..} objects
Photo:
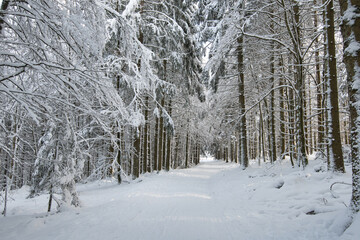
[
  {"x": 299, "y": 85},
  {"x": 244, "y": 161},
  {"x": 156, "y": 145},
  {"x": 168, "y": 144},
  {"x": 336, "y": 154},
  {"x": 282, "y": 112},
  {"x": 262, "y": 134},
  {"x": 187, "y": 150},
  {"x": 118, "y": 158},
  {"x": 350, "y": 30},
  {"x": 291, "y": 119},
  {"x": 137, "y": 152},
  {"x": 272, "y": 108},
  {"x": 161, "y": 135},
  {"x": 176, "y": 154},
  {"x": 146, "y": 160},
  {"x": 319, "y": 91}
]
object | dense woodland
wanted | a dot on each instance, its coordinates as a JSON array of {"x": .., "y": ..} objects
[{"x": 117, "y": 88}]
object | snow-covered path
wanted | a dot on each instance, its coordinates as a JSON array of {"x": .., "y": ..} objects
[{"x": 214, "y": 200}]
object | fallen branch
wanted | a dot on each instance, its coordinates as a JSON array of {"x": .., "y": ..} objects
[{"x": 332, "y": 185}]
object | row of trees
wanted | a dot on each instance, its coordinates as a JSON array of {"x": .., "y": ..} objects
[
  {"x": 113, "y": 88},
  {"x": 95, "y": 89},
  {"x": 280, "y": 87}
]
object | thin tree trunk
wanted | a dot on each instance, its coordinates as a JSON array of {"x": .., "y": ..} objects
[
  {"x": 118, "y": 135},
  {"x": 50, "y": 198},
  {"x": 272, "y": 110},
  {"x": 272, "y": 96},
  {"x": 5, "y": 197},
  {"x": 244, "y": 161},
  {"x": 282, "y": 112},
  {"x": 291, "y": 119},
  {"x": 146, "y": 162},
  {"x": 262, "y": 133},
  {"x": 156, "y": 144},
  {"x": 187, "y": 150},
  {"x": 231, "y": 151},
  {"x": 168, "y": 144},
  {"x": 268, "y": 130},
  {"x": 164, "y": 151},
  {"x": 198, "y": 153},
  {"x": 5, "y": 184},
  {"x": 236, "y": 151},
  {"x": 176, "y": 154},
  {"x": 118, "y": 157},
  {"x": 326, "y": 99},
  {"x": 310, "y": 146},
  {"x": 319, "y": 91},
  {"x": 161, "y": 135},
  {"x": 136, "y": 157}
]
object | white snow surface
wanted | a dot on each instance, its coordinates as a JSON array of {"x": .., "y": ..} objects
[{"x": 214, "y": 200}]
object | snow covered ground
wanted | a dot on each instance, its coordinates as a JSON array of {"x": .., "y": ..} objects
[{"x": 214, "y": 200}]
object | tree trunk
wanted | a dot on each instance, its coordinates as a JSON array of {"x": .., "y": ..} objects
[
  {"x": 4, "y": 186},
  {"x": 244, "y": 161},
  {"x": 168, "y": 144},
  {"x": 272, "y": 109},
  {"x": 300, "y": 125},
  {"x": 146, "y": 160},
  {"x": 156, "y": 145},
  {"x": 282, "y": 112},
  {"x": 236, "y": 151},
  {"x": 319, "y": 91},
  {"x": 50, "y": 198},
  {"x": 262, "y": 133},
  {"x": 231, "y": 150},
  {"x": 136, "y": 157},
  {"x": 161, "y": 135},
  {"x": 336, "y": 155},
  {"x": 118, "y": 157},
  {"x": 291, "y": 119},
  {"x": 165, "y": 135},
  {"x": 326, "y": 99},
  {"x": 187, "y": 150},
  {"x": 176, "y": 154},
  {"x": 350, "y": 30}
]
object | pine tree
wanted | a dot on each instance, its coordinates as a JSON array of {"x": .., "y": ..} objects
[{"x": 351, "y": 35}]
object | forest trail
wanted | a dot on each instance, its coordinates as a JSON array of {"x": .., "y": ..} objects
[{"x": 214, "y": 200}]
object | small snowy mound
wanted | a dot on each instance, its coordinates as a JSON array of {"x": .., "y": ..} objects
[{"x": 279, "y": 183}]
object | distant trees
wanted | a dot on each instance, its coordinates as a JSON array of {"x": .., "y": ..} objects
[{"x": 288, "y": 87}]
